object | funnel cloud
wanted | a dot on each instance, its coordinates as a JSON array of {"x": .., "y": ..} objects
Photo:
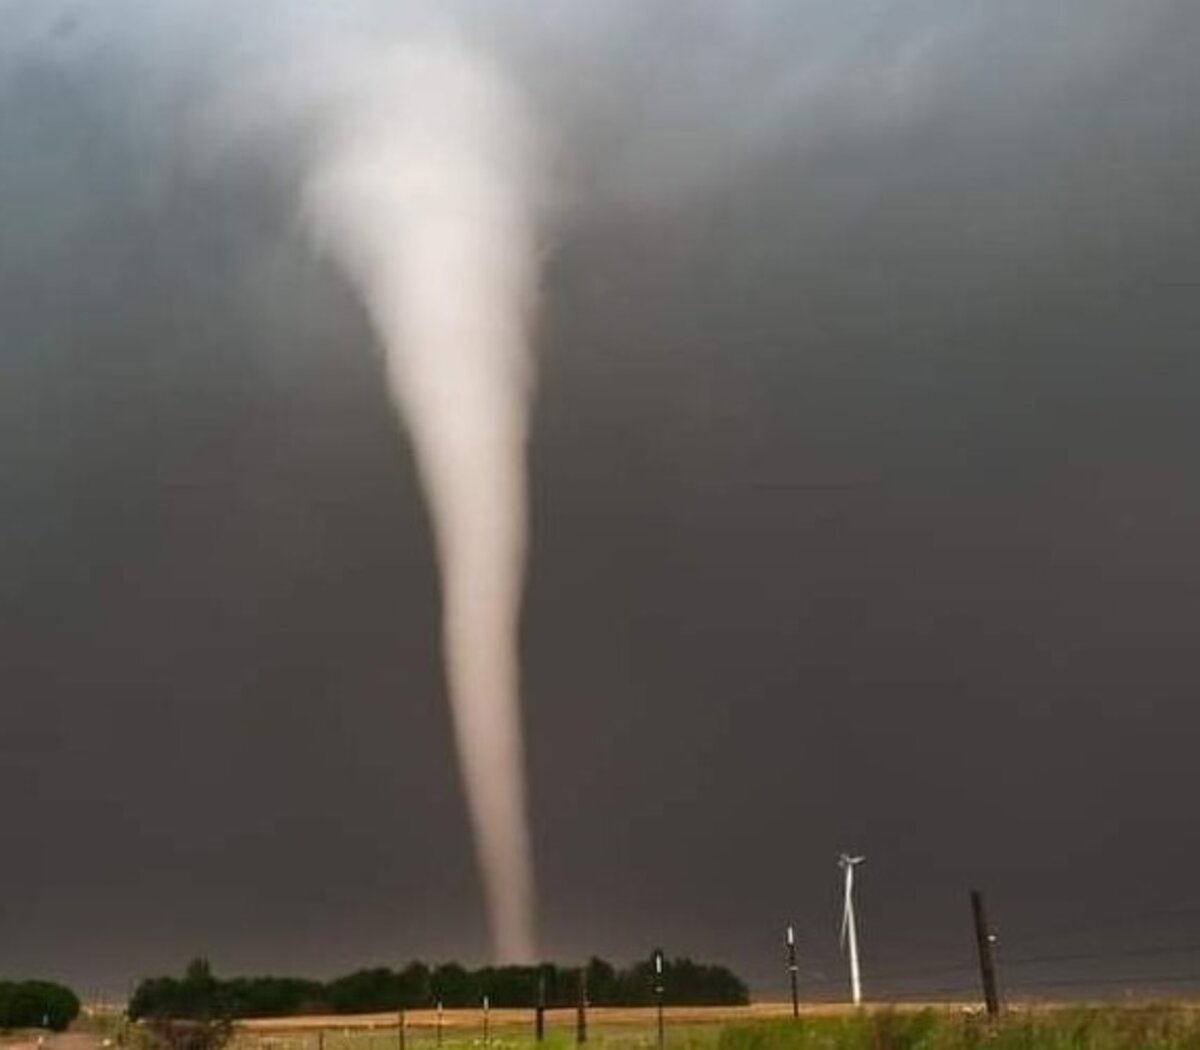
[{"x": 422, "y": 193}]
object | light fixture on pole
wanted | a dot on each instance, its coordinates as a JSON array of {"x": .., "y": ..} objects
[{"x": 791, "y": 951}]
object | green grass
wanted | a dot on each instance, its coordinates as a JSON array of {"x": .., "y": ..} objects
[{"x": 1146, "y": 1028}]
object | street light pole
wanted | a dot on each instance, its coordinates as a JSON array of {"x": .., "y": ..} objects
[
  {"x": 658, "y": 994},
  {"x": 791, "y": 951}
]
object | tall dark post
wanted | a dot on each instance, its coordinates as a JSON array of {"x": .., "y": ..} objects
[
  {"x": 400, "y": 1030},
  {"x": 487, "y": 1009},
  {"x": 791, "y": 951},
  {"x": 987, "y": 964},
  {"x": 320, "y": 1039},
  {"x": 581, "y": 1008},
  {"x": 439, "y": 1023},
  {"x": 539, "y": 1023},
  {"x": 658, "y": 994}
]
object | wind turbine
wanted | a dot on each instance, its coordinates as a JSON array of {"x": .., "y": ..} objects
[{"x": 849, "y": 928}]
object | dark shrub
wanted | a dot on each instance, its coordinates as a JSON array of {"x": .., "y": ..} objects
[{"x": 37, "y": 1004}]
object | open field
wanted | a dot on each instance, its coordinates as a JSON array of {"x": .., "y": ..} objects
[
  {"x": 598, "y": 1016},
  {"x": 459, "y": 1019},
  {"x": 766, "y": 1026}
]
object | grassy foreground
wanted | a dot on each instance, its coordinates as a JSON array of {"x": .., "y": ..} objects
[
  {"x": 1061, "y": 1028},
  {"x": 1112, "y": 1028}
]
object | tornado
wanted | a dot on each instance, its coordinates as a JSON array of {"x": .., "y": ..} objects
[{"x": 423, "y": 191}]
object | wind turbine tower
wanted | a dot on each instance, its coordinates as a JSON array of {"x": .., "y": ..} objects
[{"x": 849, "y": 927}]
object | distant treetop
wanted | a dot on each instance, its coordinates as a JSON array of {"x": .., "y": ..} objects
[{"x": 199, "y": 994}]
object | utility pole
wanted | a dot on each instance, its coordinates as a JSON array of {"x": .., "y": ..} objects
[
  {"x": 791, "y": 951},
  {"x": 539, "y": 1025},
  {"x": 581, "y": 1008},
  {"x": 987, "y": 963},
  {"x": 658, "y": 994}
]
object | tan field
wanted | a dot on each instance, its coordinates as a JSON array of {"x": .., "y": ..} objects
[
  {"x": 604, "y": 1016},
  {"x": 597, "y": 1015}
]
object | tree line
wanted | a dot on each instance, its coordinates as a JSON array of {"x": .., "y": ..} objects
[
  {"x": 200, "y": 994},
  {"x": 37, "y": 1004}
]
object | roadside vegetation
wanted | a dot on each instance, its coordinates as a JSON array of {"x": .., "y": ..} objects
[
  {"x": 1062, "y": 1028},
  {"x": 36, "y": 1004}
]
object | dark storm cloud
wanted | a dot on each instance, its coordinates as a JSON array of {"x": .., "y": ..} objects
[{"x": 865, "y": 509}]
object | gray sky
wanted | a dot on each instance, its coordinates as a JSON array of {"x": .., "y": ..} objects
[{"x": 864, "y": 505}]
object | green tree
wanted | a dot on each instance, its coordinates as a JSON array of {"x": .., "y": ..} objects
[
  {"x": 37, "y": 1004},
  {"x": 454, "y": 986}
]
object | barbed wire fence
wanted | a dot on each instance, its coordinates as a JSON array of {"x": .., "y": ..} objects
[{"x": 1032, "y": 968}]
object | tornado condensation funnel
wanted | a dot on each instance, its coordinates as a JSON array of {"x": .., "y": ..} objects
[{"x": 424, "y": 193}]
